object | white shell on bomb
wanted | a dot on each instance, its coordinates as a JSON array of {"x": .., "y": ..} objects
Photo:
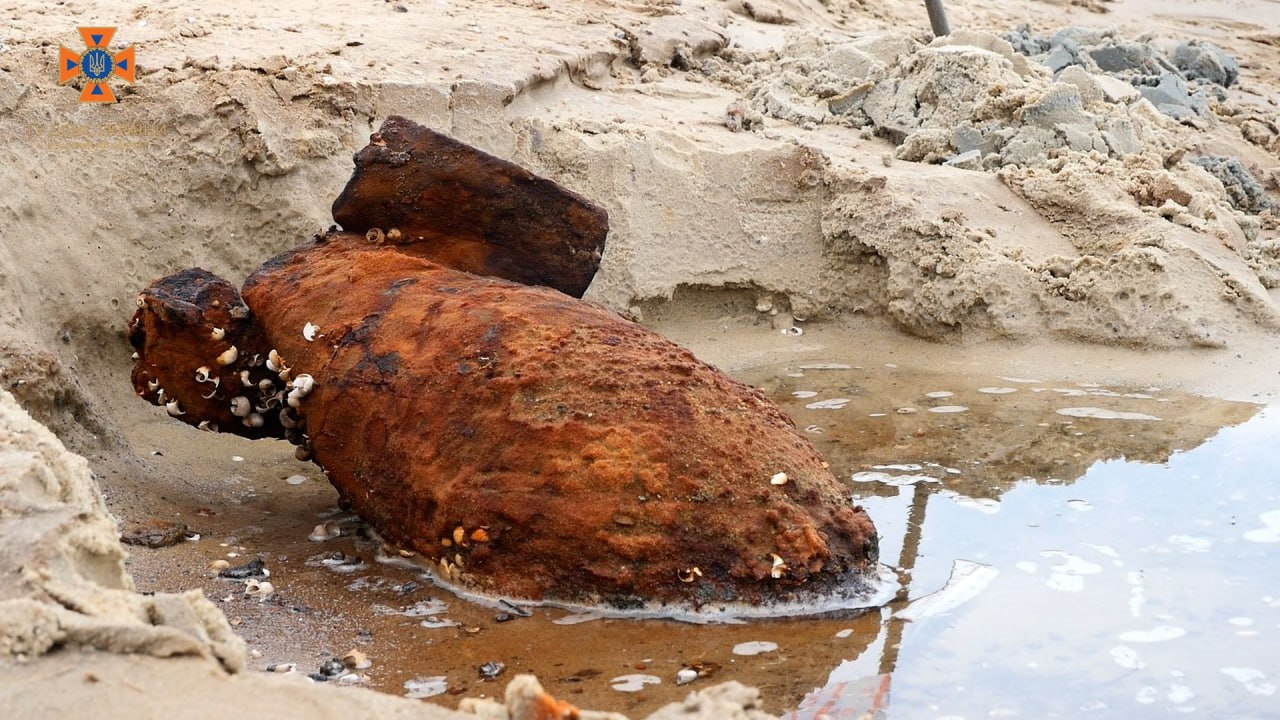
[
  {"x": 228, "y": 356},
  {"x": 304, "y": 384}
]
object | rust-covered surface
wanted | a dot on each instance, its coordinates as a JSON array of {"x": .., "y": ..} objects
[
  {"x": 526, "y": 443},
  {"x": 471, "y": 211},
  {"x": 199, "y": 351}
]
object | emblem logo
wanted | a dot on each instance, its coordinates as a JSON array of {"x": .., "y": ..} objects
[{"x": 96, "y": 64}]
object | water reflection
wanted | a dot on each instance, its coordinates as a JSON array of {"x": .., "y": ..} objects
[{"x": 1063, "y": 550}]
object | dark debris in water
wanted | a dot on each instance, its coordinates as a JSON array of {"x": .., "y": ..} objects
[
  {"x": 252, "y": 569},
  {"x": 516, "y": 609},
  {"x": 333, "y": 667},
  {"x": 339, "y": 561},
  {"x": 584, "y": 674}
]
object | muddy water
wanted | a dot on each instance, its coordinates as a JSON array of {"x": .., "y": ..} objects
[{"x": 1063, "y": 550}]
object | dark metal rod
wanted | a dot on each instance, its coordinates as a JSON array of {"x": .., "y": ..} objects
[{"x": 937, "y": 18}]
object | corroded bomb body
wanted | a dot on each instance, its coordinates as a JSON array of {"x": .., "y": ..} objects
[{"x": 528, "y": 444}]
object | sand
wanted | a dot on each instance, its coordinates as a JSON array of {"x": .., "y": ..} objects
[{"x": 783, "y": 177}]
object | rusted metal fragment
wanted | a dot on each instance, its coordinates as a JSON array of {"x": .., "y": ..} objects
[
  {"x": 471, "y": 211},
  {"x": 534, "y": 446},
  {"x": 201, "y": 356}
]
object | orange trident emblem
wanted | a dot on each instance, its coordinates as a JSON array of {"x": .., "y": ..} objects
[{"x": 96, "y": 64}]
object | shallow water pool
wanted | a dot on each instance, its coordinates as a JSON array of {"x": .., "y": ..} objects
[{"x": 1064, "y": 550}]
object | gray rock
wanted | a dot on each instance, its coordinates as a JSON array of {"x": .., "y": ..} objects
[
  {"x": 1172, "y": 97},
  {"x": 966, "y": 138},
  {"x": 1065, "y": 55},
  {"x": 1083, "y": 137},
  {"x": 1120, "y": 136},
  {"x": 1027, "y": 42},
  {"x": 1128, "y": 57},
  {"x": 1243, "y": 189},
  {"x": 1181, "y": 113},
  {"x": 1029, "y": 146},
  {"x": 1080, "y": 36},
  {"x": 1060, "y": 105},
  {"x": 1199, "y": 60},
  {"x": 1084, "y": 81},
  {"x": 1115, "y": 90},
  {"x": 968, "y": 160}
]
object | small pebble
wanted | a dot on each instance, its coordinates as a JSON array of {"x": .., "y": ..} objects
[
  {"x": 356, "y": 660},
  {"x": 515, "y": 609},
  {"x": 325, "y": 531},
  {"x": 341, "y": 562},
  {"x": 259, "y": 589}
]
